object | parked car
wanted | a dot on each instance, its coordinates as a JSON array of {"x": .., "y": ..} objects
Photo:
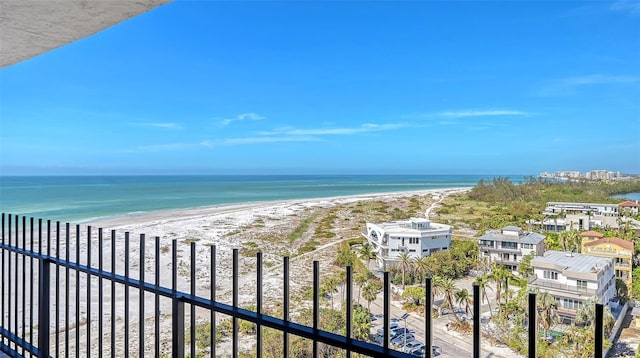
[
  {"x": 412, "y": 346},
  {"x": 392, "y": 327},
  {"x": 398, "y": 331},
  {"x": 422, "y": 350},
  {"x": 402, "y": 338},
  {"x": 419, "y": 352},
  {"x": 436, "y": 350}
]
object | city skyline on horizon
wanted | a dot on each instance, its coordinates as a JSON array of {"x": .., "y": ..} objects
[{"x": 333, "y": 88}]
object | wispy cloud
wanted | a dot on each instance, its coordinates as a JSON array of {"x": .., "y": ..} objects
[
  {"x": 292, "y": 134},
  {"x": 257, "y": 140},
  {"x": 165, "y": 125},
  {"x": 479, "y": 113},
  {"x": 240, "y": 118},
  {"x": 278, "y": 135},
  {"x": 367, "y": 127},
  {"x": 161, "y": 147},
  {"x": 571, "y": 85},
  {"x": 629, "y": 6}
]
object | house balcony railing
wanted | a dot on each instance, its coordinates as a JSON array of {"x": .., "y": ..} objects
[
  {"x": 56, "y": 302},
  {"x": 609, "y": 253},
  {"x": 543, "y": 283},
  {"x": 621, "y": 265}
]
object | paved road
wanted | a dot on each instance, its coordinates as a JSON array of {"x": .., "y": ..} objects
[{"x": 452, "y": 346}]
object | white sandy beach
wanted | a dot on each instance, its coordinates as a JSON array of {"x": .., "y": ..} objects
[{"x": 247, "y": 227}]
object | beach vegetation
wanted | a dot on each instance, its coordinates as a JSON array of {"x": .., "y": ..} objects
[
  {"x": 308, "y": 247},
  {"x": 499, "y": 202},
  {"x": 301, "y": 228},
  {"x": 191, "y": 240},
  {"x": 250, "y": 249},
  {"x": 325, "y": 226}
]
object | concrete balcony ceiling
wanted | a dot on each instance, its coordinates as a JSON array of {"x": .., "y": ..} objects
[{"x": 31, "y": 27}]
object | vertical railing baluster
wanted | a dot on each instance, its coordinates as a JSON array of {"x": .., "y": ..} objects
[
  {"x": 533, "y": 334},
  {"x": 259, "y": 302},
  {"x": 17, "y": 281},
  {"x": 48, "y": 237},
  {"x": 428, "y": 319},
  {"x": 386, "y": 311},
  {"x": 40, "y": 253},
  {"x": 235, "y": 288},
  {"x": 67, "y": 240},
  {"x": 349, "y": 284},
  {"x": 24, "y": 280},
  {"x": 9, "y": 283},
  {"x": 88, "y": 292},
  {"x": 599, "y": 331},
  {"x": 100, "y": 293},
  {"x": 32, "y": 284},
  {"x": 476, "y": 322},
  {"x": 192, "y": 319},
  {"x": 58, "y": 289},
  {"x": 157, "y": 300},
  {"x": 2, "y": 282},
  {"x": 113, "y": 293},
  {"x": 44, "y": 306},
  {"x": 212, "y": 318},
  {"x": 141, "y": 305},
  {"x": 126, "y": 294},
  {"x": 316, "y": 303},
  {"x": 77, "y": 288},
  {"x": 178, "y": 306},
  {"x": 285, "y": 305}
]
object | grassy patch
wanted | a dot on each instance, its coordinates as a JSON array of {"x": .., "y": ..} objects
[
  {"x": 308, "y": 247},
  {"x": 302, "y": 228}
]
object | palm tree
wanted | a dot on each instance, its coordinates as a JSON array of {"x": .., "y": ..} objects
[
  {"x": 404, "y": 265},
  {"x": 367, "y": 253},
  {"x": 463, "y": 298},
  {"x": 436, "y": 287},
  {"x": 449, "y": 289},
  {"x": 547, "y": 311},
  {"x": 421, "y": 266},
  {"x": 361, "y": 323},
  {"x": 360, "y": 279},
  {"x": 330, "y": 286},
  {"x": 587, "y": 311},
  {"x": 483, "y": 283},
  {"x": 369, "y": 294},
  {"x": 501, "y": 277}
]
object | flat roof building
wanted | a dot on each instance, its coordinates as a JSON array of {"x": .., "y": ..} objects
[
  {"x": 416, "y": 237},
  {"x": 572, "y": 278}
]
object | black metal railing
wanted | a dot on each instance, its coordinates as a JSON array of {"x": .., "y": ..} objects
[{"x": 38, "y": 285}]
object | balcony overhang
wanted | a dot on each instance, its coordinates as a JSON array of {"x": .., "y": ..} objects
[{"x": 29, "y": 28}]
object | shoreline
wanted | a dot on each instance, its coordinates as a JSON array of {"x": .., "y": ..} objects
[{"x": 225, "y": 209}]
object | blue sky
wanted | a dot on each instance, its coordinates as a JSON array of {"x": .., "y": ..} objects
[{"x": 334, "y": 87}]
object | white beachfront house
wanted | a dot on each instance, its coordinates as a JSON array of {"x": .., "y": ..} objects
[
  {"x": 572, "y": 278},
  {"x": 508, "y": 246},
  {"x": 561, "y": 216},
  {"x": 417, "y": 237}
]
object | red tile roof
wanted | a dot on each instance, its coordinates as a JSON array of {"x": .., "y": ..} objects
[
  {"x": 592, "y": 233},
  {"x": 629, "y": 203},
  {"x": 612, "y": 240}
]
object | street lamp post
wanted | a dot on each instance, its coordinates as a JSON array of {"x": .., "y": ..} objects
[{"x": 404, "y": 318}]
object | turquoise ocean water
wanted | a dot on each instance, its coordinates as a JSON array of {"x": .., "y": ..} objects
[{"x": 81, "y": 198}]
